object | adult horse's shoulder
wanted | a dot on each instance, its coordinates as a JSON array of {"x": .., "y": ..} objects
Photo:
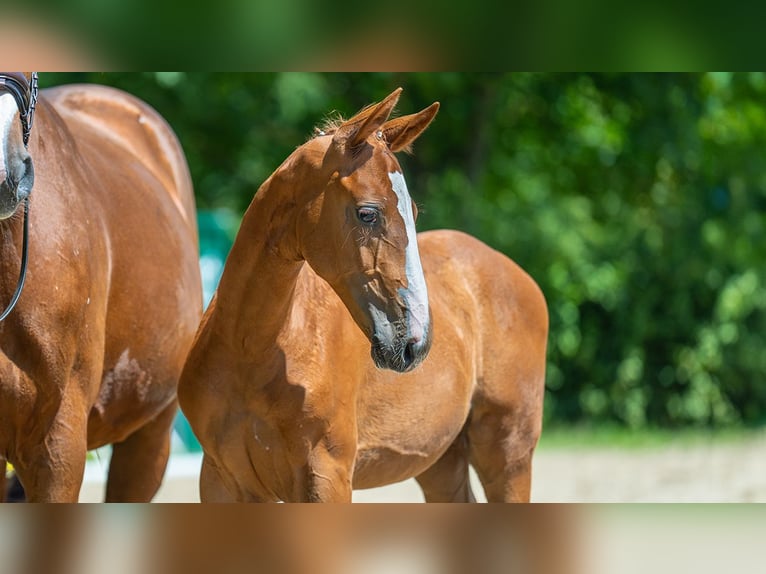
[{"x": 97, "y": 113}]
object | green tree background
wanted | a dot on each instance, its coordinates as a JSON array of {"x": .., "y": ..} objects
[{"x": 637, "y": 202}]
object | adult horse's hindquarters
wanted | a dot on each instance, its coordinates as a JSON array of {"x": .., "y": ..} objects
[
  {"x": 92, "y": 353},
  {"x": 306, "y": 381}
]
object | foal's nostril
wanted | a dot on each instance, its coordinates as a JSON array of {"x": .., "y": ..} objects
[
  {"x": 409, "y": 353},
  {"x": 401, "y": 355}
]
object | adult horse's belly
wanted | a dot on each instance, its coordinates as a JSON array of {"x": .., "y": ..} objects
[
  {"x": 139, "y": 185},
  {"x": 406, "y": 422}
]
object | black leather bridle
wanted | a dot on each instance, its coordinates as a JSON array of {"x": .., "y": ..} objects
[{"x": 24, "y": 91}]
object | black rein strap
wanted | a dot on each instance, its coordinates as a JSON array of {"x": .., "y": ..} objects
[
  {"x": 25, "y": 93},
  {"x": 23, "y": 272}
]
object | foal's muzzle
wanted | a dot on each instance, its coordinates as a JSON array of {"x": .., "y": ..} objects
[{"x": 401, "y": 354}]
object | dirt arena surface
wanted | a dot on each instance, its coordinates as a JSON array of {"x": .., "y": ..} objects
[{"x": 715, "y": 471}]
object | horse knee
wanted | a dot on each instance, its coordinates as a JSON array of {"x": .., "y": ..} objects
[
  {"x": 53, "y": 480},
  {"x": 328, "y": 477}
]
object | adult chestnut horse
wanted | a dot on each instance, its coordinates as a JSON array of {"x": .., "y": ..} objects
[
  {"x": 92, "y": 352},
  {"x": 306, "y": 381}
]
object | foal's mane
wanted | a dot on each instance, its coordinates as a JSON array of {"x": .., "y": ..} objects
[
  {"x": 328, "y": 126},
  {"x": 332, "y": 123},
  {"x": 334, "y": 120}
]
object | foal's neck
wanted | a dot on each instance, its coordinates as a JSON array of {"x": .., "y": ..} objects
[{"x": 256, "y": 289}]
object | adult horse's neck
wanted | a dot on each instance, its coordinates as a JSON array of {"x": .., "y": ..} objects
[{"x": 256, "y": 290}]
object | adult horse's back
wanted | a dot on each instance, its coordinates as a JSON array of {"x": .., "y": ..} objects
[{"x": 92, "y": 352}]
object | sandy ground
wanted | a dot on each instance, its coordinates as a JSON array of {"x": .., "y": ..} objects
[{"x": 706, "y": 472}]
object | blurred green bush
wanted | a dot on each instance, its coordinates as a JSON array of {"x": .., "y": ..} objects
[{"x": 637, "y": 201}]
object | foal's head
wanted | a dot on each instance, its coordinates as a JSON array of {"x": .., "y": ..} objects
[
  {"x": 16, "y": 172},
  {"x": 358, "y": 230}
]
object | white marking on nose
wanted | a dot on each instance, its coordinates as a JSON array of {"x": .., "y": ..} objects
[
  {"x": 7, "y": 116},
  {"x": 382, "y": 325},
  {"x": 416, "y": 294}
]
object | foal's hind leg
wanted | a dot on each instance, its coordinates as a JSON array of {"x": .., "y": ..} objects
[
  {"x": 502, "y": 442},
  {"x": 447, "y": 480},
  {"x": 138, "y": 463}
]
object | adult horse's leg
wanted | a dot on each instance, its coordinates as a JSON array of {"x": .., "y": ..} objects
[
  {"x": 447, "y": 480},
  {"x": 53, "y": 469},
  {"x": 138, "y": 463},
  {"x": 502, "y": 441}
]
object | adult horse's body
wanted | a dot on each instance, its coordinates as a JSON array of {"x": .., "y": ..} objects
[
  {"x": 306, "y": 381},
  {"x": 92, "y": 352}
]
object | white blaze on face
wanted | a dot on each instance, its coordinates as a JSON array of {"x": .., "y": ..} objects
[
  {"x": 416, "y": 294},
  {"x": 7, "y": 117}
]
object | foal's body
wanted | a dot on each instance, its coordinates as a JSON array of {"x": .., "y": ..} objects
[
  {"x": 92, "y": 353},
  {"x": 280, "y": 386},
  {"x": 313, "y": 398}
]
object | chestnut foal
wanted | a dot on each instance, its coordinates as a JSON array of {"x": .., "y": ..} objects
[{"x": 309, "y": 376}]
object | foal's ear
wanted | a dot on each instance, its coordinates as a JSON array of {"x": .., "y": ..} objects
[
  {"x": 401, "y": 132},
  {"x": 358, "y": 129}
]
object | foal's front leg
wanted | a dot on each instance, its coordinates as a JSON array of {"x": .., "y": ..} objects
[{"x": 330, "y": 470}]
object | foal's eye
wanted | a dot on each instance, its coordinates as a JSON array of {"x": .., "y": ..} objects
[{"x": 368, "y": 215}]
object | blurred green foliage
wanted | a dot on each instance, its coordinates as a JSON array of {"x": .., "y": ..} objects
[
  {"x": 637, "y": 202},
  {"x": 426, "y": 35}
]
